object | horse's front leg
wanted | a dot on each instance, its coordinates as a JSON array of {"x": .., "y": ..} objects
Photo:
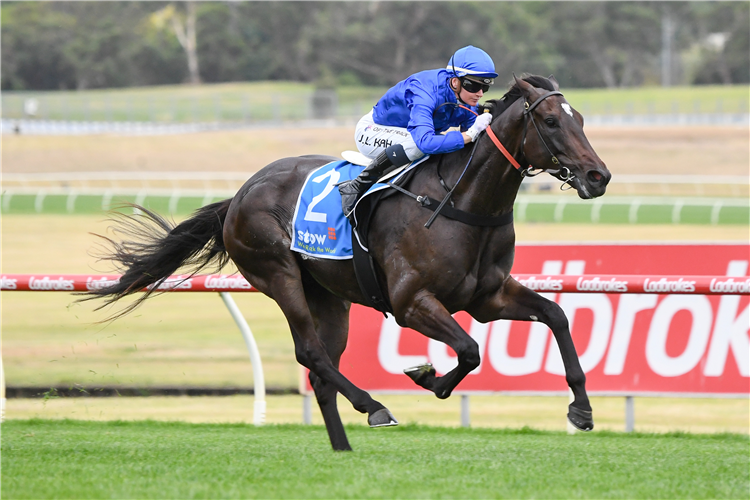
[
  {"x": 429, "y": 317},
  {"x": 516, "y": 302}
]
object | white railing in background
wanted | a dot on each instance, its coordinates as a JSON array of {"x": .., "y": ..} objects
[
  {"x": 30, "y": 126},
  {"x": 60, "y": 127},
  {"x": 227, "y": 183},
  {"x": 120, "y": 180}
]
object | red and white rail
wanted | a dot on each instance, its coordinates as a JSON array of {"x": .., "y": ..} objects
[
  {"x": 223, "y": 284},
  {"x": 89, "y": 282},
  {"x": 606, "y": 283}
]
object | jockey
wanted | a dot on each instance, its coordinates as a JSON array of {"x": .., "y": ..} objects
[{"x": 409, "y": 120}]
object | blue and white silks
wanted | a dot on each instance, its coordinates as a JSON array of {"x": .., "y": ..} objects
[{"x": 319, "y": 226}]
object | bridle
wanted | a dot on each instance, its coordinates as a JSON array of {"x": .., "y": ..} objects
[{"x": 562, "y": 173}]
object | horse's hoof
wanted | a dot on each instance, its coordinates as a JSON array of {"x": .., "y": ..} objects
[
  {"x": 421, "y": 374},
  {"x": 444, "y": 394},
  {"x": 581, "y": 419},
  {"x": 382, "y": 418}
]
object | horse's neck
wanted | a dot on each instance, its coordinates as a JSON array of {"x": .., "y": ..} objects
[{"x": 491, "y": 183}]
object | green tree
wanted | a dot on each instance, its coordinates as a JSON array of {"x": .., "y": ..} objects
[
  {"x": 33, "y": 41},
  {"x": 181, "y": 20},
  {"x": 608, "y": 44},
  {"x": 721, "y": 33},
  {"x": 232, "y": 43},
  {"x": 100, "y": 40},
  {"x": 66, "y": 44}
]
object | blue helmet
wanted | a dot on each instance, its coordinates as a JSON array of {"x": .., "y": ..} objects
[{"x": 471, "y": 61}]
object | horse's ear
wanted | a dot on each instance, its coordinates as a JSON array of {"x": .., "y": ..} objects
[
  {"x": 525, "y": 86},
  {"x": 552, "y": 79}
]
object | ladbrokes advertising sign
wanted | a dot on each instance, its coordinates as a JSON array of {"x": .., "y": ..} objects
[{"x": 661, "y": 341}]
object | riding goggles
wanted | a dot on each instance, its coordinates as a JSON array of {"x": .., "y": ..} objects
[{"x": 473, "y": 86}]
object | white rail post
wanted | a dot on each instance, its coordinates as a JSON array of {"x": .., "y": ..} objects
[
  {"x": 307, "y": 409},
  {"x": 629, "y": 414},
  {"x": 465, "y": 413},
  {"x": 259, "y": 413}
]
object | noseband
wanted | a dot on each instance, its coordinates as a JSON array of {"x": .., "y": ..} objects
[{"x": 563, "y": 173}]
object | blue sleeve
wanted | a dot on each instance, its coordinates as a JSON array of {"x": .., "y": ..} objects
[{"x": 421, "y": 126}]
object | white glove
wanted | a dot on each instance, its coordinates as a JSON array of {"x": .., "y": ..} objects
[{"x": 480, "y": 124}]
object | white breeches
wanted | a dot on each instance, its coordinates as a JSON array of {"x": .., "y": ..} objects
[{"x": 372, "y": 139}]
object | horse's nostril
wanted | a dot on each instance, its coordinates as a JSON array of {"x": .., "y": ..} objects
[{"x": 594, "y": 176}]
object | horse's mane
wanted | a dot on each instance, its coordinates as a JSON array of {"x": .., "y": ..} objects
[{"x": 497, "y": 106}]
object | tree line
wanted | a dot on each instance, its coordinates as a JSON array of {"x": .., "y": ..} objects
[{"x": 89, "y": 45}]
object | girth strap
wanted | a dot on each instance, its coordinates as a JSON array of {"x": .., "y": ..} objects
[
  {"x": 466, "y": 217},
  {"x": 456, "y": 214},
  {"x": 364, "y": 270}
]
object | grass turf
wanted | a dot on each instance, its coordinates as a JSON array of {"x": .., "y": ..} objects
[{"x": 77, "y": 459}]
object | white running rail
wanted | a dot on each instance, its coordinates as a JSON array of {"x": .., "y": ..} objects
[{"x": 736, "y": 185}]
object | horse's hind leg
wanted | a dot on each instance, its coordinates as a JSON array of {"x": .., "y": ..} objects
[
  {"x": 282, "y": 281},
  {"x": 325, "y": 394},
  {"x": 516, "y": 302},
  {"x": 331, "y": 316}
]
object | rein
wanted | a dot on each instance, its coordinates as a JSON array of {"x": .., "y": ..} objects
[
  {"x": 449, "y": 193},
  {"x": 564, "y": 172}
]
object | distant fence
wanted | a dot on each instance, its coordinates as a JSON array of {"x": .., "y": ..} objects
[
  {"x": 642, "y": 199},
  {"x": 155, "y": 112},
  {"x": 660, "y": 185},
  {"x": 165, "y": 107},
  {"x": 52, "y": 127},
  {"x": 703, "y": 119},
  {"x": 60, "y": 127},
  {"x": 159, "y": 112},
  {"x": 528, "y": 208}
]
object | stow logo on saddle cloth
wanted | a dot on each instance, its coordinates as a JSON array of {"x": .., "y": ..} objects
[{"x": 319, "y": 226}]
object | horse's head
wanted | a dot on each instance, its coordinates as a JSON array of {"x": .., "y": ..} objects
[{"x": 555, "y": 142}]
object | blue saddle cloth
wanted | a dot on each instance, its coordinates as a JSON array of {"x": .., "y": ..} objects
[{"x": 320, "y": 228}]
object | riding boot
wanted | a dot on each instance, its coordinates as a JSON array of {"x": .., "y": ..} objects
[{"x": 353, "y": 189}]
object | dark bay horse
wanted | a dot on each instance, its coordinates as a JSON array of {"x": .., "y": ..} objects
[{"x": 428, "y": 274}]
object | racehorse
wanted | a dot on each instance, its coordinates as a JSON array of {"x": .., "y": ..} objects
[{"x": 427, "y": 273}]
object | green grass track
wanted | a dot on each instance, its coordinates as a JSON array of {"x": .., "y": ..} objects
[
  {"x": 145, "y": 459},
  {"x": 528, "y": 208}
]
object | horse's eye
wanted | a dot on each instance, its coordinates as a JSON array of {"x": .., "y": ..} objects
[{"x": 550, "y": 121}]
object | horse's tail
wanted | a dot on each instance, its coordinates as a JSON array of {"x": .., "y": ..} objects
[{"x": 152, "y": 249}]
